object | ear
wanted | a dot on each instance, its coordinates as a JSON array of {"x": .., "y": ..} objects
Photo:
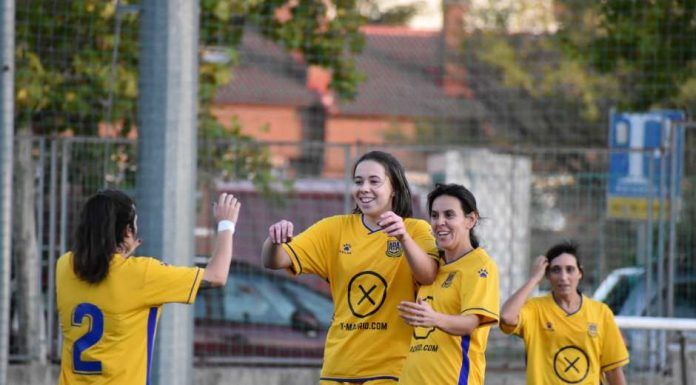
[{"x": 471, "y": 220}]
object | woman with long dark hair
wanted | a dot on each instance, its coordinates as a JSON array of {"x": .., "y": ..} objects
[
  {"x": 109, "y": 301},
  {"x": 372, "y": 259}
]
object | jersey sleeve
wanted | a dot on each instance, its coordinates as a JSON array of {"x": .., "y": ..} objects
[
  {"x": 310, "y": 251},
  {"x": 614, "y": 352},
  {"x": 164, "y": 283},
  {"x": 481, "y": 294},
  {"x": 526, "y": 317},
  {"x": 422, "y": 234}
]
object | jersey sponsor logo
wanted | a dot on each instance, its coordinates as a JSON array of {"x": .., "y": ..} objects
[
  {"x": 592, "y": 329},
  {"x": 482, "y": 272},
  {"x": 571, "y": 364},
  {"x": 449, "y": 279},
  {"x": 419, "y": 332},
  {"x": 367, "y": 291},
  {"x": 394, "y": 249},
  {"x": 345, "y": 249}
]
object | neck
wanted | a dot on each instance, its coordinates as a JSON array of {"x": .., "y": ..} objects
[
  {"x": 371, "y": 222},
  {"x": 570, "y": 302},
  {"x": 458, "y": 252}
]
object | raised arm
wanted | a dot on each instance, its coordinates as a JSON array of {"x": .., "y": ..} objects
[
  {"x": 510, "y": 311},
  {"x": 226, "y": 213},
  {"x": 423, "y": 267},
  {"x": 272, "y": 253}
]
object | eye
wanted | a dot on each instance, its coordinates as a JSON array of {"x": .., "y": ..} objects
[
  {"x": 375, "y": 182},
  {"x": 357, "y": 182},
  {"x": 433, "y": 215}
]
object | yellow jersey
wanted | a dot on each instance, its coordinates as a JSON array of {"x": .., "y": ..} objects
[
  {"x": 469, "y": 285},
  {"x": 564, "y": 348},
  {"x": 368, "y": 275},
  {"x": 109, "y": 328}
]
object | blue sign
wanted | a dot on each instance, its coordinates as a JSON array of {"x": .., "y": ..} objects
[{"x": 634, "y": 139}]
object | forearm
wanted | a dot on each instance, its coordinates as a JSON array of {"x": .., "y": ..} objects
[
  {"x": 423, "y": 266},
  {"x": 273, "y": 255},
  {"x": 511, "y": 308},
  {"x": 456, "y": 324},
  {"x": 616, "y": 376},
  {"x": 218, "y": 268}
]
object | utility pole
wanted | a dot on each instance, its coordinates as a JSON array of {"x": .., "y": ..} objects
[{"x": 168, "y": 90}]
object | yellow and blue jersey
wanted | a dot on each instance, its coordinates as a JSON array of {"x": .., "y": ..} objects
[
  {"x": 564, "y": 348},
  {"x": 467, "y": 286},
  {"x": 109, "y": 328},
  {"x": 368, "y": 275}
]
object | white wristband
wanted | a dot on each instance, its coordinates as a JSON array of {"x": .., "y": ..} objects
[{"x": 225, "y": 225}]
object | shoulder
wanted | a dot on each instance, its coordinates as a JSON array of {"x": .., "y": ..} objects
[
  {"x": 539, "y": 302},
  {"x": 336, "y": 220},
  {"x": 416, "y": 224},
  {"x": 481, "y": 258},
  {"x": 597, "y": 306}
]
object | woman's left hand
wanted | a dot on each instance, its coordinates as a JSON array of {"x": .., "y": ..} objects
[
  {"x": 393, "y": 225},
  {"x": 418, "y": 313}
]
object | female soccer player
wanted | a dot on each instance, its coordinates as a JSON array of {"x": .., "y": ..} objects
[
  {"x": 372, "y": 260},
  {"x": 452, "y": 316},
  {"x": 109, "y": 302},
  {"x": 568, "y": 338}
]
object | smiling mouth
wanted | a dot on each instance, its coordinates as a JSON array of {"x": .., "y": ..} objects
[{"x": 365, "y": 200}]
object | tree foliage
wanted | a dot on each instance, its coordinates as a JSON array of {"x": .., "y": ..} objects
[{"x": 631, "y": 55}]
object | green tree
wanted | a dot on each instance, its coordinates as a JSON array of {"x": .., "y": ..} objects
[{"x": 649, "y": 46}]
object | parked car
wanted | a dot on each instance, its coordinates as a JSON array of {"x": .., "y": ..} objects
[
  {"x": 624, "y": 291},
  {"x": 261, "y": 317}
]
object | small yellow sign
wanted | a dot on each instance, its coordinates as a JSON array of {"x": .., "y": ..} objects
[{"x": 634, "y": 208}]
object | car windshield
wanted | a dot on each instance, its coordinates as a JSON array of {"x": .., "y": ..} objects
[
  {"x": 616, "y": 298},
  {"x": 261, "y": 299},
  {"x": 320, "y": 306}
]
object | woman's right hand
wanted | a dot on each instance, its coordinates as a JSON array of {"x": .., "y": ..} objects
[
  {"x": 226, "y": 208},
  {"x": 281, "y": 232},
  {"x": 539, "y": 268}
]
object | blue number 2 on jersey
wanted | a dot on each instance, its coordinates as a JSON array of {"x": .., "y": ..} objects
[{"x": 96, "y": 329}]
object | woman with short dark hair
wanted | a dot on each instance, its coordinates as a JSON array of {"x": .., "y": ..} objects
[
  {"x": 109, "y": 301},
  {"x": 568, "y": 337}
]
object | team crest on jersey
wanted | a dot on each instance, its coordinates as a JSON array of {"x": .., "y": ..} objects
[
  {"x": 345, "y": 249},
  {"x": 482, "y": 272},
  {"x": 592, "y": 329},
  {"x": 394, "y": 249},
  {"x": 448, "y": 281},
  {"x": 549, "y": 326}
]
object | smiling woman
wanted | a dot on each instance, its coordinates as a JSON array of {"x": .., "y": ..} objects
[
  {"x": 372, "y": 259},
  {"x": 453, "y": 316}
]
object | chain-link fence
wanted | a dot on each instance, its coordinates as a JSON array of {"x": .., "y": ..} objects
[
  {"x": 529, "y": 198},
  {"x": 514, "y": 99}
]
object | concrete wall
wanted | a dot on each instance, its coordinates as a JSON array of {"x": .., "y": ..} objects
[{"x": 501, "y": 184}]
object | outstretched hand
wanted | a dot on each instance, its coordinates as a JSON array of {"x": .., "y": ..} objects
[{"x": 226, "y": 208}]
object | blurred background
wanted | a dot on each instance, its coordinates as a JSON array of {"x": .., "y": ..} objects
[{"x": 568, "y": 119}]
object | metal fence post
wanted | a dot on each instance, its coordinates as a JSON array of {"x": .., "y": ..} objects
[
  {"x": 168, "y": 90},
  {"x": 7, "y": 16}
]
